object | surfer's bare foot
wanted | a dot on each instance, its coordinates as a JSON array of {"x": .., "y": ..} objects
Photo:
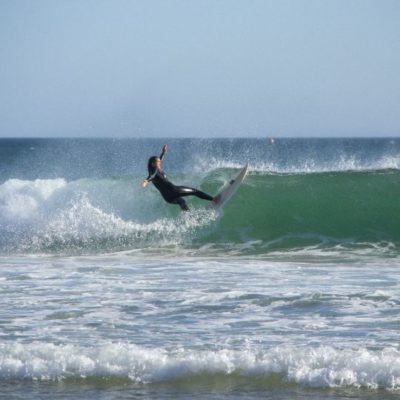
[{"x": 216, "y": 199}]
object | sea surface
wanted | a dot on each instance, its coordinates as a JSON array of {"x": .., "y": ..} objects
[{"x": 292, "y": 291}]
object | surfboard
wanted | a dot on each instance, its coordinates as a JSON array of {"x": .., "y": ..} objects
[{"x": 229, "y": 189}]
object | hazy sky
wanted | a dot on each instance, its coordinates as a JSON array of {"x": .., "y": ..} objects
[{"x": 199, "y": 68}]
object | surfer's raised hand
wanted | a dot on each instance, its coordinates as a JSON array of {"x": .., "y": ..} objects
[
  {"x": 145, "y": 183},
  {"x": 164, "y": 149}
]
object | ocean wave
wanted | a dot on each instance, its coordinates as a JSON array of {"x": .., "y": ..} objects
[
  {"x": 315, "y": 367},
  {"x": 270, "y": 212}
]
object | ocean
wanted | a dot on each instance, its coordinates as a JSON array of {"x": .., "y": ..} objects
[{"x": 292, "y": 290}]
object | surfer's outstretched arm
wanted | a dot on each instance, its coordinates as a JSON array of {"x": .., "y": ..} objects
[{"x": 163, "y": 151}]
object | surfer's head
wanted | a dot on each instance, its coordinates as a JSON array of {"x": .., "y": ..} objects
[{"x": 154, "y": 162}]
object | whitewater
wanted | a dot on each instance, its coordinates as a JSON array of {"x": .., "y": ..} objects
[{"x": 292, "y": 290}]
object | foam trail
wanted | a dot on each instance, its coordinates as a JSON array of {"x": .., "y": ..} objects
[{"x": 316, "y": 367}]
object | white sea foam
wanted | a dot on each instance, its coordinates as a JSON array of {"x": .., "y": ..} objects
[
  {"x": 316, "y": 367},
  {"x": 21, "y": 199},
  {"x": 41, "y": 214}
]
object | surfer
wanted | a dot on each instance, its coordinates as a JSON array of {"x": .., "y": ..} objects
[{"x": 171, "y": 193}]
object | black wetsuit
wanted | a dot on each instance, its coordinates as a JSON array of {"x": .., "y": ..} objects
[{"x": 171, "y": 193}]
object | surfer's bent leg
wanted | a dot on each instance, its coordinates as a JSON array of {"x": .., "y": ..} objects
[
  {"x": 187, "y": 191},
  {"x": 182, "y": 203}
]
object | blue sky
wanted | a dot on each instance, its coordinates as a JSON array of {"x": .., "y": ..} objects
[{"x": 199, "y": 68}]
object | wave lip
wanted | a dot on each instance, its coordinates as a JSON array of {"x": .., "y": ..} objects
[{"x": 320, "y": 367}]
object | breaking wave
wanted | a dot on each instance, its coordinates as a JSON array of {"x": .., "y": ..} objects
[
  {"x": 271, "y": 211},
  {"x": 315, "y": 367}
]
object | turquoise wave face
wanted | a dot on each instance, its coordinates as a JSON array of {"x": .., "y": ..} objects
[
  {"x": 269, "y": 212},
  {"x": 296, "y": 209}
]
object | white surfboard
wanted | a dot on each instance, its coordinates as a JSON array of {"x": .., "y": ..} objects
[{"x": 229, "y": 189}]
